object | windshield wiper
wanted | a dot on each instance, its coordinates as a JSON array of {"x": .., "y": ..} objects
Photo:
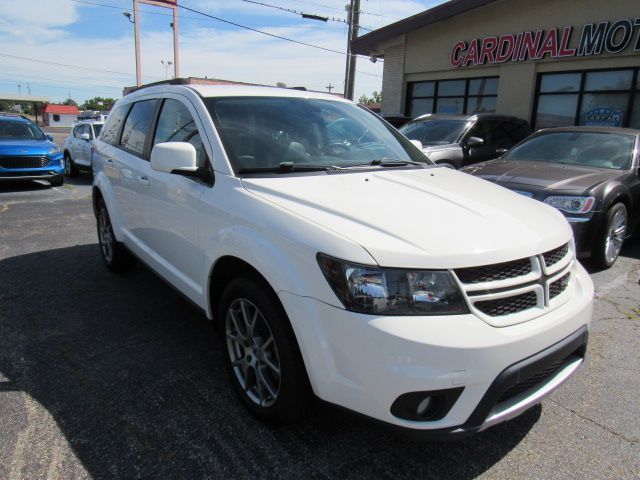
[
  {"x": 383, "y": 162},
  {"x": 286, "y": 167}
]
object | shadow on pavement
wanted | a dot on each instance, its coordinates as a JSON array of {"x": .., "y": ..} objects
[
  {"x": 133, "y": 376},
  {"x": 83, "y": 179}
]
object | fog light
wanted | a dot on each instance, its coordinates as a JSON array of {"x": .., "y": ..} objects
[{"x": 423, "y": 406}]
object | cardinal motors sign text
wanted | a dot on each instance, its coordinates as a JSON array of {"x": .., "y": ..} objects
[{"x": 595, "y": 38}]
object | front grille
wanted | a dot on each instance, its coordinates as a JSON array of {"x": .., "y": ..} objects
[
  {"x": 507, "y": 305},
  {"x": 559, "y": 286},
  {"x": 554, "y": 256},
  {"x": 531, "y": 381},
  {"x": 23, "y": 162},
  {"x": 492, "y": 273}
]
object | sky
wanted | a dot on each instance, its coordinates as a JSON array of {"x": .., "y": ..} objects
[{"x": 85, "y": 48}]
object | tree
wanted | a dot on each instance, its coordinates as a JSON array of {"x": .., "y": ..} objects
[
  {"x": 98, "y": 103},
  {"x": 70, "y": 101},
  {"x": 376, "y": 97}
]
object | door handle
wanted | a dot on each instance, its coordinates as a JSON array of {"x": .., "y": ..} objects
[
  {"x": 144, "y": 180},
  {"x": 108, "y": 160}
]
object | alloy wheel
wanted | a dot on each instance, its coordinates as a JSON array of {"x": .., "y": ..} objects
[
  {"x": 105, "y": 235},
  {"x": 615, "y": 236},
  {"x": 253, "y": 352}
]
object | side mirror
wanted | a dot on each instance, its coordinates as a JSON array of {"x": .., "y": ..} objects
[
  {"x": 501, "y": 151},
  {"x": 174, "y": 157},
  {"x": 85, "y": 136},
  {"x": 417, "y": 143},
  {"x": 50, "y": 138},
  {"x": 473, "y": 142}
]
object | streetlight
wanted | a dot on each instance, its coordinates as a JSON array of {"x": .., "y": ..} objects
[
  {"x": 166, "y": 64},
  {"x": 128, "y": 15}
]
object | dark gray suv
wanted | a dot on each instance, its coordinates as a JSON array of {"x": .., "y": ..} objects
[{"x": 460, "y": 140}]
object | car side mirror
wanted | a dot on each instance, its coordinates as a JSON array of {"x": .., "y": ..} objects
[
  {"x": 171, "y": 157},
  {"x": 501, "y": 151},
  {"x": 179, "y": 158},
  {"x": 85, "y": 136},
  {"x": 473, "y": 142},
  {"x": 417, "y": 144},
  {"x": 50, "y": 138}
]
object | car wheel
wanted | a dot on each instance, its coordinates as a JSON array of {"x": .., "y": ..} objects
[
  {"x": 261, "y": 352},
  {"x": 609, "y": 242},
  {"x": 70, "y": 168},
  {"x": 114, "y": 254},
  {"x": 57, "y": 181}
]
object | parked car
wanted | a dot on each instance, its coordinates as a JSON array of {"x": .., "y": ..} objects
[
  {"x": 590, "y": 174},
  {"x": 78, "y": 147},
  {"x": 355, "y": 270},
  {"x": 26, "y": 153},
  {"x": 459, "y": 140}
]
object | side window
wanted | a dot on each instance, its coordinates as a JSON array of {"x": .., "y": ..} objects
[
  {"x": 481, "y": 130},
  {"x": 499, "y": 132},
  {"x": 112, "y": 128},
  {"x": 76, "y": 131},
  {"x": 136, "y": 127},
  {"x": 176, "y": 124},
  {"x": 83, "y": 129},
  {"x": 518, "y": 131}
]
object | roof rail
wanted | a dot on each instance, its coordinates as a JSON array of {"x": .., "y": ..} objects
[{"x": 11, "y": 114}]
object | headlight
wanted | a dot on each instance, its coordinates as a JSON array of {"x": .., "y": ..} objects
[
  {"x": 54, "y": 149},
  {"x": 386, "y": 291},
  {"x": 571, "y": 204}
]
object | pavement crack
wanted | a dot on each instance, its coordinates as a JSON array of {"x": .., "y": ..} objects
[{"x": 633, "y": 441}]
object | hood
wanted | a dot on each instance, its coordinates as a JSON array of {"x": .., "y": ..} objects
[
  {"x": 420, "y": 218},
  {"x": 552, "y": 176},
  {"x": 25, "y": 147}
]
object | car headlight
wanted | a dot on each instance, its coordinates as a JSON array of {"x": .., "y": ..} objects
[
  {"x": 571, "y": 204},
  {"x": 387, "y": 291},
  {"x": 54, "y": 149}
]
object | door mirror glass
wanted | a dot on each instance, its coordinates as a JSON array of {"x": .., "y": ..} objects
[
  {"x": 417, "y": 144},
  {"x": 474, "y": 142},
  {"x": 174, "y": 157},
  {"x": 84, "y": 136}
]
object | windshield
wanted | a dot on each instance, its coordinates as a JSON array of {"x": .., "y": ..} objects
[
  {"x": 261, "y": 133},
  {"x": 589, "y": 149},
  {"x": 12, "y": 130},
  {"x": 96, "y": 129},
  {"x": 435, "y": 132}
]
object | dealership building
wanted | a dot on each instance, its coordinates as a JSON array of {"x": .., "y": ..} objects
[{"x": 551, "y": 62}]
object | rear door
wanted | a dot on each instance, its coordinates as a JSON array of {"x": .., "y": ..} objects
[
  {"x": 83, "y": 147},
  {"x": 171, "y": 202}
]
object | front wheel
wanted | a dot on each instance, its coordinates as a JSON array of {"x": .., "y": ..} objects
[
  {"x": 70, "y": 168},
  {"x": 57, "y": 181},
  {"x": 261, "y": 352},
  {"x": 115, "y": 256},
  {"x": 609, "y": 241}
]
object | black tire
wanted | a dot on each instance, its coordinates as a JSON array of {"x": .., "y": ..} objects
[
  {"x": 291, "y": 386},
  {"x": 114, "y": 254},
  {"x": 611, "y": 237},
  {"x": 57, "y": 181},
  {"x": 70, "y": 168}
]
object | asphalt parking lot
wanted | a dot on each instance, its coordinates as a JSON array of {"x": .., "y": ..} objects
[{"x": 106, "y": 376}]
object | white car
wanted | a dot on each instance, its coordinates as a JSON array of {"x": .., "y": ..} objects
[
  {"x": 78, "y": 147},
  {"x": 355, "y": 270}
]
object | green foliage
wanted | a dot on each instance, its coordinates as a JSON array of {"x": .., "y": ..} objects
[
  {"x": 376, "y": 97},
  {"x": 70, "y": 101},
  {"x": 99, "y": 103}
]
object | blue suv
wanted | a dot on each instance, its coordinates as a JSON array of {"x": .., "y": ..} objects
[{"x": 26, "y": 153}]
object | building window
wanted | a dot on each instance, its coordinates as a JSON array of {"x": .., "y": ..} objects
[
  {"x": 56, "y": 117},
  {"x": 470, "y": 95},
  {"x": 596, "y": 98}
]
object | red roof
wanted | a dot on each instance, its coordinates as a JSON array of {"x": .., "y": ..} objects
[{"x": 69, "y": 109}]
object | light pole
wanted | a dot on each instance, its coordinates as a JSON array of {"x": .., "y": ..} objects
[
  {"x": 166, "y": 64},
  {"x": 329, "y": 87}
]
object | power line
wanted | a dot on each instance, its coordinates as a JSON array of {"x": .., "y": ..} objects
[
  {"x": 48, "y": 62},
  {"x": 342, "y": 10}
]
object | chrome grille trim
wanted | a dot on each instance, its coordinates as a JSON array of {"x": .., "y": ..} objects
[{"x": 507, "y": 301}]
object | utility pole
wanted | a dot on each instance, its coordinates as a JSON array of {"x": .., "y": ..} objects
[
  {"x": 136, "y": 33},
  {"x": 329, "y": 87},
  {"x": 353, "y": 16}
]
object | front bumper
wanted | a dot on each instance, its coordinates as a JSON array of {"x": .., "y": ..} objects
[
  {"x": 585, "y": 232},
  {"x": 364, "y": 363},
  {"x": 54, "y": 168}
]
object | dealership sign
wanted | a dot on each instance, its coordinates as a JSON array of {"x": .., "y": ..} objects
[{"x": 595, "y": 38}]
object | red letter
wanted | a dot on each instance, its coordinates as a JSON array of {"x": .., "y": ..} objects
[
  {"x": 489, "y": 45},
  {"x": 530, "y": 45},
  {"x": 455, "y": 58},
  {"x": 472, "y": 53},
  {"x": 549, "y": 45},
  {"x": 516, "y": 48},
  {"x": 563, "y": 51},
  {"x": 505, "y": 48}
]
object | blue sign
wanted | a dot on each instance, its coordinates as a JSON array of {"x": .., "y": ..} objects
[{"x": 602, "y": 117}]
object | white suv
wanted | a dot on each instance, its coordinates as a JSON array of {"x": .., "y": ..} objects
[
  {"x": 78, "y": 147},
  {"x": 338, "y": 261}
]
